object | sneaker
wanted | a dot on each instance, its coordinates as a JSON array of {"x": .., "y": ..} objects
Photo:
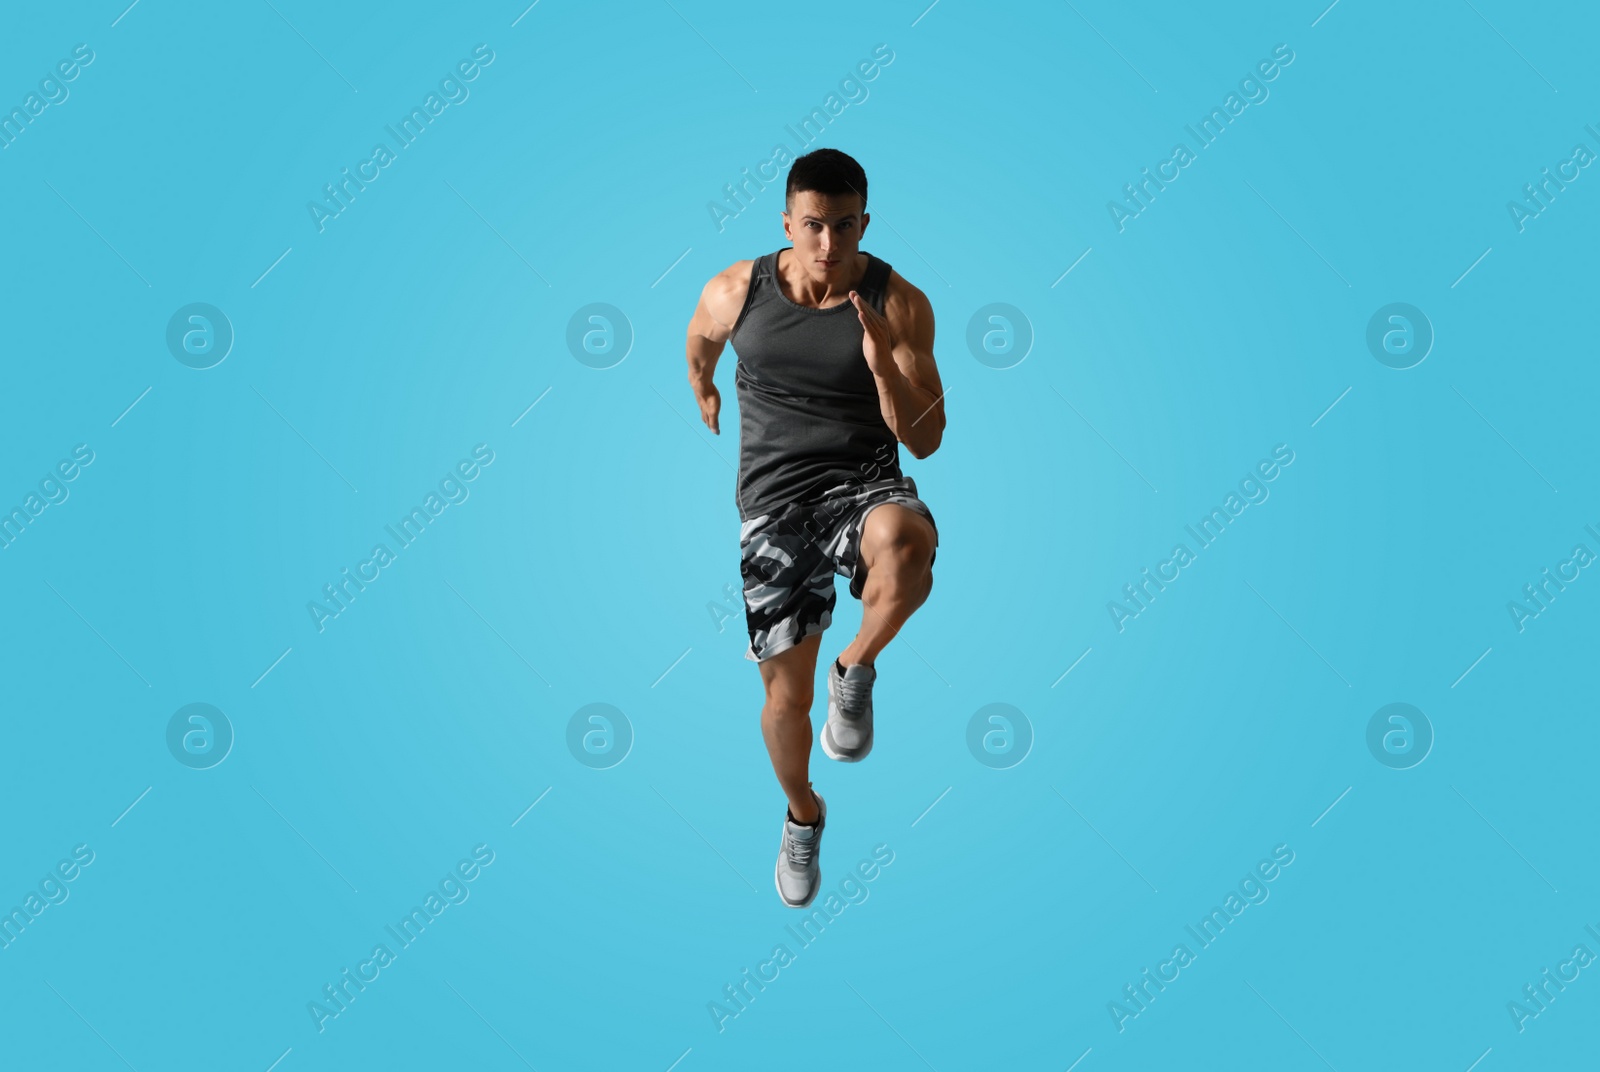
[
  {"x": 847, "y": 735},
  {"x": 798, "y": 874}
]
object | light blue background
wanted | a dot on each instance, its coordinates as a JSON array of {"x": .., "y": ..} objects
[{"x": 587, "y": 562}]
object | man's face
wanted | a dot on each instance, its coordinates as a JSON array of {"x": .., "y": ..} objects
[{"x": 825, "y": 230}]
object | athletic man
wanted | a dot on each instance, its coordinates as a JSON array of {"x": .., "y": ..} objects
[{"x": 825, "y": 399}]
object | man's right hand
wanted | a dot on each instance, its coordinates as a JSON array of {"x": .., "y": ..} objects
[{"x": 710, "y": 400}]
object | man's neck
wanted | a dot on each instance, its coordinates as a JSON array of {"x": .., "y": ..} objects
[{"x": 814, "y": 295}]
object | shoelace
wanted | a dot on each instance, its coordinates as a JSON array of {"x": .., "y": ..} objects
[
  {"x": 853, "y": 696},
  {"x": 801, "y": 852}
]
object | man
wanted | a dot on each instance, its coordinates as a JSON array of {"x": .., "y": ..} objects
[{"x": 825, "y": 399}]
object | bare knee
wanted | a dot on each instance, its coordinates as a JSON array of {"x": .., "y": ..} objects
[
  {"x": 904, "y": 566},
  {"x": 789, "y": 694},
  {"x": 788, "y": 704},
  {"x": 893, "y": 531}
]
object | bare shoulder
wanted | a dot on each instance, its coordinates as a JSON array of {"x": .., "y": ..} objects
[
  {"x": 907, "y": 309},
  {"x": 726, "y": 291},
  {"x": 721, "y": 301},
  {"x": 723, "y": 295}
]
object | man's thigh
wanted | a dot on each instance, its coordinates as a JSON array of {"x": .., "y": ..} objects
[
  {"x": 790, "y": 675},
  {"x": 788, "y": 583}
]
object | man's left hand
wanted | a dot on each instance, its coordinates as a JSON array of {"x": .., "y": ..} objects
[{"x": 877, "y": 342}]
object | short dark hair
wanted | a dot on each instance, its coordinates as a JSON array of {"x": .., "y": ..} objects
[{"x": 828, "y": 172}]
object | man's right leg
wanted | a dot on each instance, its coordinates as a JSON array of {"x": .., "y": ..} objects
[{"x": 786, "y": 722}]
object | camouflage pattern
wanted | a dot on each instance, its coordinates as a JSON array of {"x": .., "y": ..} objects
[{"x": 788, "y": 560}]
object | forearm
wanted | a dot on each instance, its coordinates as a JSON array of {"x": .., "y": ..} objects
[
  {"x": 703, "y": 354},
  {"x": 908, "y": 411}
]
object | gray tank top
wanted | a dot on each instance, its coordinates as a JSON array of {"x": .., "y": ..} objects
[{"x": 809, "y": 416}]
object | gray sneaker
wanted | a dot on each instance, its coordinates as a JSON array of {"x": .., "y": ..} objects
[
  {"x": 847, "y": 735},
  {"x": 798, "y": 874}
]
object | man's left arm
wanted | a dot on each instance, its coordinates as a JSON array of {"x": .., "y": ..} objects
[{"x": 909, "y": 390}]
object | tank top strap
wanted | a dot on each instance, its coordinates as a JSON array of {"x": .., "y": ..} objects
[
  {"x": 758, "y": 291},
  {"x": 767, "y": 268},
  {"x": 764, "y": 279},
  {"x": 875, "y": 283}
]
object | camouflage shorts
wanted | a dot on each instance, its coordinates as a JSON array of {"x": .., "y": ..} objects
[{"x": 788, "y": 560}]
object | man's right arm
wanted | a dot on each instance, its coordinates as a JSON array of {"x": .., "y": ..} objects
[{"x": 714, "y": 316}]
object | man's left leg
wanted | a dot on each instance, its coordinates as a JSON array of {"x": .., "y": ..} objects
[{"x": 897, "y": 550}]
